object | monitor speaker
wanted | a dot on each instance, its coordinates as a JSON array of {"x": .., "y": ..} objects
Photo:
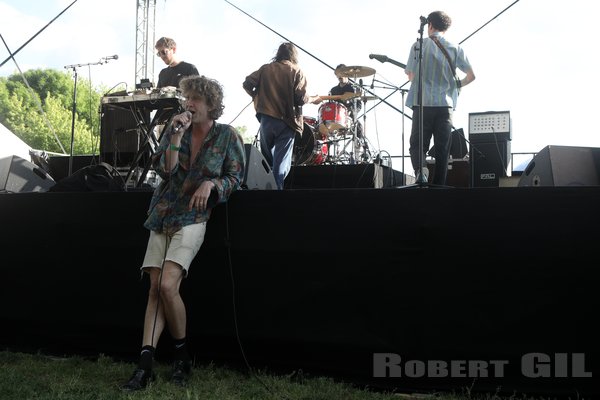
[
  {"x": 257, "y": 172},
  {"x": 18, "y": 175},
  {"x": 563, "y": 166},
  {"x": 489, "y": 162}
]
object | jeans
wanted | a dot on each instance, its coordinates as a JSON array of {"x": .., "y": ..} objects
[
  {"x": 277, "y": 145},
  {"x": 437, "y": 123}
]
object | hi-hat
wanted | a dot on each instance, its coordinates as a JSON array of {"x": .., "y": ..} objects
[
  {"x": 355, "y": 71},
  {"x": 367, "y": 98}
]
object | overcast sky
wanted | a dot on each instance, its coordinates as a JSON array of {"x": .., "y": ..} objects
[{"x": 532, "y": 60}]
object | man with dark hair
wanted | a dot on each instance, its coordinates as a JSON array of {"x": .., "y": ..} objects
[
  {"x": 344, "y": 86},
  {"x": 279, "y": 92},
  {"x": 440, "y": 89}
]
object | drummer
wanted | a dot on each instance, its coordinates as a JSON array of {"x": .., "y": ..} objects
[{"x": 344, "y": 86}]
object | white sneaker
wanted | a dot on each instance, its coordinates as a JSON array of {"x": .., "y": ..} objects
[{"x": 424, "y": 177}]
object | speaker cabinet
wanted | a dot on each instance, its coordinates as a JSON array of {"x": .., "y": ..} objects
[
  {"x": 257, "y": 172},
  {"x": 119, "y": 136},
  {"x": 458, "y": 173},
  {"x": 343, "y": 176},
  {"x": 489, "y": 162},
  {"x": 563, "y": 166},
  {"x": 19, "y": 175}
]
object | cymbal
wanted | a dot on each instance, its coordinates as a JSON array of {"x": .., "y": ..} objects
[
  {"x": 367, "y": 98},
  {"x": 355, "y": 71}
]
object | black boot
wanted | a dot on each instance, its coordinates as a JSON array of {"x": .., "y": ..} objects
[
  {"x": 139, "y": 380},
  {"x": 181, "y": 372}
]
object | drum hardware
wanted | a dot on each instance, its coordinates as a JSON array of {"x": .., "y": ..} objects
[{"x": 334, "y": 121}]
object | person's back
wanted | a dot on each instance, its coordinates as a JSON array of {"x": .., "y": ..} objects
[
  {"x": 282, "y": 92},
  {"x": 278, "y": 90},
  {"x": 433, "y": 95}
]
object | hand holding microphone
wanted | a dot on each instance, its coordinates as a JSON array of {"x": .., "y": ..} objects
[{"x": 183, "y": 120}]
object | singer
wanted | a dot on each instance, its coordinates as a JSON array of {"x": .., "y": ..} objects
[
  {"x": 201, "y": 164},
  {"x": 440, "y": 89}
]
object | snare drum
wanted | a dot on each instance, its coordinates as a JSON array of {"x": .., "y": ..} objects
[{"x": 333, "y": 116}]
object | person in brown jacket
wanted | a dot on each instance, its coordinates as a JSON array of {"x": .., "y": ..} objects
[{"x": 278, "y": 90}]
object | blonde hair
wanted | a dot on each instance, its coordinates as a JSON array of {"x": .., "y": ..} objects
[{"x": 165, "y": 42}]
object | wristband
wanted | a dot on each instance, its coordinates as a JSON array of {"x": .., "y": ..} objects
[{"x": 174, "y": 148}]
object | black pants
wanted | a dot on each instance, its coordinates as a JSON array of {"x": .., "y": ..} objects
[{"x": 437, "y": 123}]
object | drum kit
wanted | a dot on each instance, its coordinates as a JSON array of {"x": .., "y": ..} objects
[{"x": 333, "y": 137}]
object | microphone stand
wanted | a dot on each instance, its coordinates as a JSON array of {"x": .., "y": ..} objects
[
  {"x": 74, "y": 109},
  {"x": 472, "y": 159},
  {"x": 383, "y": 59},
  {"x": 421, "y": 180}
]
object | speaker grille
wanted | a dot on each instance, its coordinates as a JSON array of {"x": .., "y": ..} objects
[{"x": 119, "y": 138}]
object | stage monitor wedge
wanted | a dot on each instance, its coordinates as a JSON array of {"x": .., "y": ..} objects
[
  {"x": 257, "y": 172},
  {"x": 563, "y": 166},
  {"x": 18, "y": 175}
]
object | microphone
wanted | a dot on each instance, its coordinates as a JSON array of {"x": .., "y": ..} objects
[
  {"x": 373, "y": 82},
  {"x": 424, "y": 20},
  {"x": 115, "y": 57},
  {"x": 179, "y": 125},
  {"x": 378, "y": 57},
  {"x": 360, "y": 82}
]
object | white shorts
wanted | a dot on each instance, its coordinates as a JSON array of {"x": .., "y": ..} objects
[{"x": 182, "y": 247}]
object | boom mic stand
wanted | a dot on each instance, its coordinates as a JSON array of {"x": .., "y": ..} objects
[
  {"x": 381, "y": 58},
  {"x": 421, "y": 180},
  {"x": 74, "y": 67}
]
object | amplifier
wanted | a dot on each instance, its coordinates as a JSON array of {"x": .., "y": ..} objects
[{"x": 489, "y": 126}]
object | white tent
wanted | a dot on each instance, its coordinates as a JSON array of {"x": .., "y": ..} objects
[{"x": 10, "y": 145}]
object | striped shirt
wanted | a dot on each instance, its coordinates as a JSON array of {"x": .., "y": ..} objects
[{"x": 439, "y": 86}]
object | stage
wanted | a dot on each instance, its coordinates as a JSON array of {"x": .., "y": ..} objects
[{"x": 328, "y": 281}]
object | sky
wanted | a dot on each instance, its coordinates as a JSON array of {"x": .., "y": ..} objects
[{"x": 530, "y": 60}]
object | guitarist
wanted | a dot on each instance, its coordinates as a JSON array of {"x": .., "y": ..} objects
[
  {"x": 278, "y": 90},
  {"x": 440, "y": 59}
]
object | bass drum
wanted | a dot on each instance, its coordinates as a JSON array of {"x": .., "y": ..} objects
[{"x": 307, "y": 149}]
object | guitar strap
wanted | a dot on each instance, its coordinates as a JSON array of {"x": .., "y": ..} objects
[{"x": 436, "y": 40}]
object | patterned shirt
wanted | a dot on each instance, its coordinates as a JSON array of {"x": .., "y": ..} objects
[
  {"x": 220, "y": 160},
  {"x": 439, "y": 86}
]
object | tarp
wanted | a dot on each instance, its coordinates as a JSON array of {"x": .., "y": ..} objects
[{"x": 11, "y": 145}]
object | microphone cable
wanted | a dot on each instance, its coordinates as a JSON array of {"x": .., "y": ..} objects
[
  {"x": 233, "y": 302},
  {"x": 170, "y": 207}
]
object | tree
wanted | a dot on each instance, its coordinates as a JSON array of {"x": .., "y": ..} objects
[{"x": 40, "y": 115}]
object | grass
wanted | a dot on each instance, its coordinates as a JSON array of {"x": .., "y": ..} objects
[{"x": 36, "y": 376}]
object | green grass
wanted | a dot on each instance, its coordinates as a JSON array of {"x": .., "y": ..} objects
[{"x": 40, "y": 377}]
